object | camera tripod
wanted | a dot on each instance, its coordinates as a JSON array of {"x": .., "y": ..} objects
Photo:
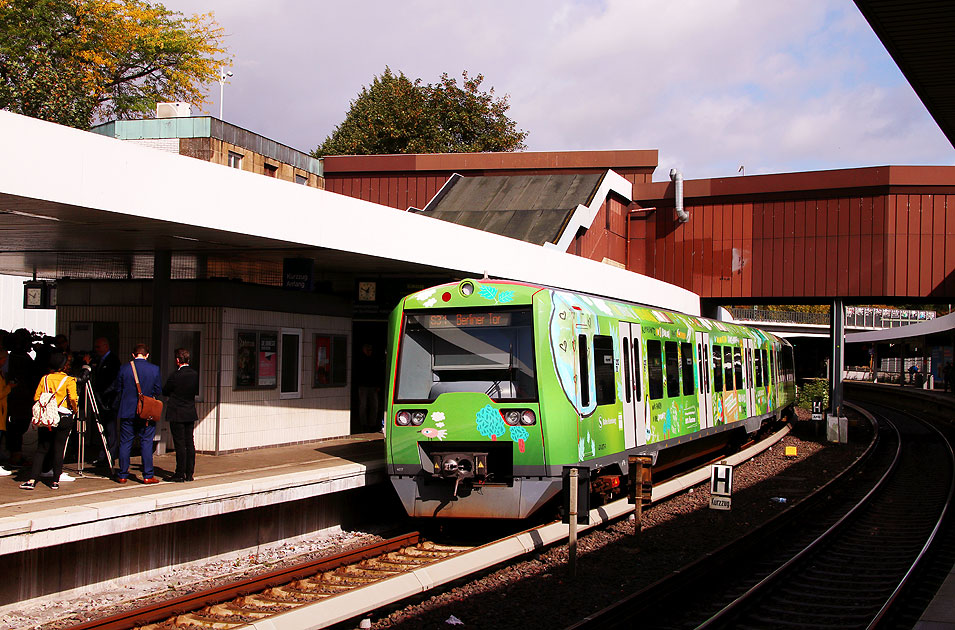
[{"x": 89, "y": 412}]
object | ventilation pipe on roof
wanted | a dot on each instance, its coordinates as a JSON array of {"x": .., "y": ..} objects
[{"x": 677, "y": 177}]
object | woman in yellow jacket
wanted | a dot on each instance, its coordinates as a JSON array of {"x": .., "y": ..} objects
[{"x": 56, "y": 437}]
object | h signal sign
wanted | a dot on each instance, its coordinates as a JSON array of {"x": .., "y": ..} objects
[
  {"x": 721, "y": 486},
  {"x": 721, "y": 480}
]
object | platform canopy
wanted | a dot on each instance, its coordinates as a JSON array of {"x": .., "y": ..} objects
[
  {"x": 79, "y": 205},
  {"x": 941, "y": 326}
]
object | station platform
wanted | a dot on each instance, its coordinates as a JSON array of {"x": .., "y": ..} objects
[{"x": 110, "y": 530}]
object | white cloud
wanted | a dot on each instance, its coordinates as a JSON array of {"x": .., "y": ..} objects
[{"x": 776, "y": 86}]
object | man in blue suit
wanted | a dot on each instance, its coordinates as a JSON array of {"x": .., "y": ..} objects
[{"x": 129, "y": 424}]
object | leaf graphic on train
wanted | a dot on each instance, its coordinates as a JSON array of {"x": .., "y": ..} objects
[
  {"x": 520, "y": 434},
  {"x": 490, "y": 423},
  {"x": 488, "y": 292},
  {"x": 424, "y": 295},
  {"x": 505, "y": 296}
]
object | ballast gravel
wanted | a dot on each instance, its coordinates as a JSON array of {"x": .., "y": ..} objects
[
  {"x": 534, "y": 592},
  {"x": 538, "y": 592}
]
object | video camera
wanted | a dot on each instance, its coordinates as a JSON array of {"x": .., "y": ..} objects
[{"x": 85, "y": 374}]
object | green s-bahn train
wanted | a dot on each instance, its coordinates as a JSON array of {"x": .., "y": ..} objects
[{"x": 495, "y": 386}]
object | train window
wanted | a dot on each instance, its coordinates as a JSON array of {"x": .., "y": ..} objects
[
  {"x": 654, "y": 370},
  {"x": 787, "y": 360},
  {"x": 772, "y": 367},
  {"x": 747, "y": 370},
  {"x": 758, "y": 356},
  {"x": 584, "y": 373},
  {"x": 738, "y": 367},
  {"x": 705, "y": 371},
  {"x": 699, "y": 363},
  {"x": 637, "y": 372},
  {"x": 673, "y": 368},
  {"x": 686, "y": 354},
  {"x": 627, "y": 383},
  {"x": 765, "y": 366},
  {"x": 463, "y": 351},
  {"x": 728, "y": 367},
  {"x": 605, "y": 377},
  {"x": 717, "y": 369}
]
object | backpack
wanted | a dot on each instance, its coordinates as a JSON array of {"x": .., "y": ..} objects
[{"x": 46, "y": 411}]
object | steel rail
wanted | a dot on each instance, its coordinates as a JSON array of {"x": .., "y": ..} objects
[
  {"x": 617, "y": 612},
  {"x": 188, "y": 603},
  {"x": 759, "y": 587},
  {"x": 730, "y": 613},
  {"x": 478, "y": 559},
  {"x": 931, "y": 539}
]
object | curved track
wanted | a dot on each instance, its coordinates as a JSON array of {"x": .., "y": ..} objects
[
  {"x": 339, "y": 588},
  {"x": 833, "y": 563}
]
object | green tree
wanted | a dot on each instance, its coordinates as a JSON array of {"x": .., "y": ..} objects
[
  {"x": 397, "y": 115},
  {"x": 72, "y": 61}
]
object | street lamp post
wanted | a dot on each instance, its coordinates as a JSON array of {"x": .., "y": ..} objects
[{"x": 222, "y": 77}]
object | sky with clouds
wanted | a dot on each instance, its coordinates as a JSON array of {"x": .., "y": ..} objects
[{"x": 770, "y": 85}]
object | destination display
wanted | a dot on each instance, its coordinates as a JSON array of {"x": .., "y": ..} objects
[{"x": 465, "y": 320}]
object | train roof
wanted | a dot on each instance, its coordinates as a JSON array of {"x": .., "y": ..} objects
[{"x": 661, "y": 314}]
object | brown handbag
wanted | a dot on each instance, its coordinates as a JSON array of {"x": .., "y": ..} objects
[{"x": 148, "y": 408}]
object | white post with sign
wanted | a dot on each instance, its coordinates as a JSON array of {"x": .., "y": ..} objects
[{"x": 721, "y": 487}]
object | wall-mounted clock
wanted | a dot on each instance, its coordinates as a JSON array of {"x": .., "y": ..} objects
[
  {"x": 366, "y": 291},
  {"x": 34, "y": 297}
]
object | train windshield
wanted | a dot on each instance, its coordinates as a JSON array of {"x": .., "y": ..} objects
[{"x": 489, "y": 352}]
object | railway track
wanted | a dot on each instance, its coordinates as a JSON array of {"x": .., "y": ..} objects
[
  {"x": 837, "y": 561},
  {"x": 335, "y": 589},
  {"x": 239, "y": 604}
]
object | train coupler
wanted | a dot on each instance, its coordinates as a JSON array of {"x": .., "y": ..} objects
[{"x": 459, "y": 466}]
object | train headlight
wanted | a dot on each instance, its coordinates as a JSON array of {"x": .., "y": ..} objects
[
  {"x": 403, "y": 419},
  {"x": 512, "y": 417},
  {"x": 417, "y": 417},
  {"x": 528, "y": 418},
  {"x": 467, "y": 288}
]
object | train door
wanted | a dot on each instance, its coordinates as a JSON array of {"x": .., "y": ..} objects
[
  {"x": 631, "y": 367},
  {"x": 748, "y": 377},
  {"x": 704, "y": 399}
]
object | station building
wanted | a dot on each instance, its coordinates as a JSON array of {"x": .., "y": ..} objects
[
  {"x": 274, "y": 286},
  {"x": 276, "y": 293}
]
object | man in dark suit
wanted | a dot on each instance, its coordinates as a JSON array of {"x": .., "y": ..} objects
[
  {"x": 105, "y": 369},
  {"x": 129, "y": 424},
  {"x": 181, "y": 387}
]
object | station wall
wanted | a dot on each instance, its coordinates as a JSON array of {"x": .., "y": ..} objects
[{"x": 267, "y": 377}]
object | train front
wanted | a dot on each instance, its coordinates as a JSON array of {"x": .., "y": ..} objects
[{"x": 463, "y": 431}]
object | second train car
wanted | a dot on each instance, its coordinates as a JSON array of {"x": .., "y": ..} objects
[{"x": 495, "y": 386}]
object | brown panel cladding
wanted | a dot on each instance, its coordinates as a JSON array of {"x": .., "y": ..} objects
[
  {"x": 805, "y": 248},
  {"x": 900, "y": 238},
  {"x": 870, "y": 232},
  {"x": 863, "y": 257},
  {"x": 711, "y": 245},
  {"x": 949, "y": 287},
  {"x": 779, "y": 250},
  {"x": 878, "y": 250},
  {"x": 701, "y": 222},
  {"x": 799, "y": 247},
  {"x": 789, "y": 231}
]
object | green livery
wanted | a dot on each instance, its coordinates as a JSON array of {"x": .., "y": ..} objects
[{"x": 496, "y": 386}]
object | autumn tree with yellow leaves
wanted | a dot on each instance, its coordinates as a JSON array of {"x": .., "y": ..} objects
[{"x": 76, "y": 61}]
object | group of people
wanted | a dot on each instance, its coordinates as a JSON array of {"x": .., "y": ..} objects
[{"x": 116, "y": 388}]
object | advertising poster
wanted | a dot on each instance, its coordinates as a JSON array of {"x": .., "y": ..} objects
[
  {"x": 268, "y": 359},
  {"x": 323, "y": 360},
  {"x": 245, "y": 359}
]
